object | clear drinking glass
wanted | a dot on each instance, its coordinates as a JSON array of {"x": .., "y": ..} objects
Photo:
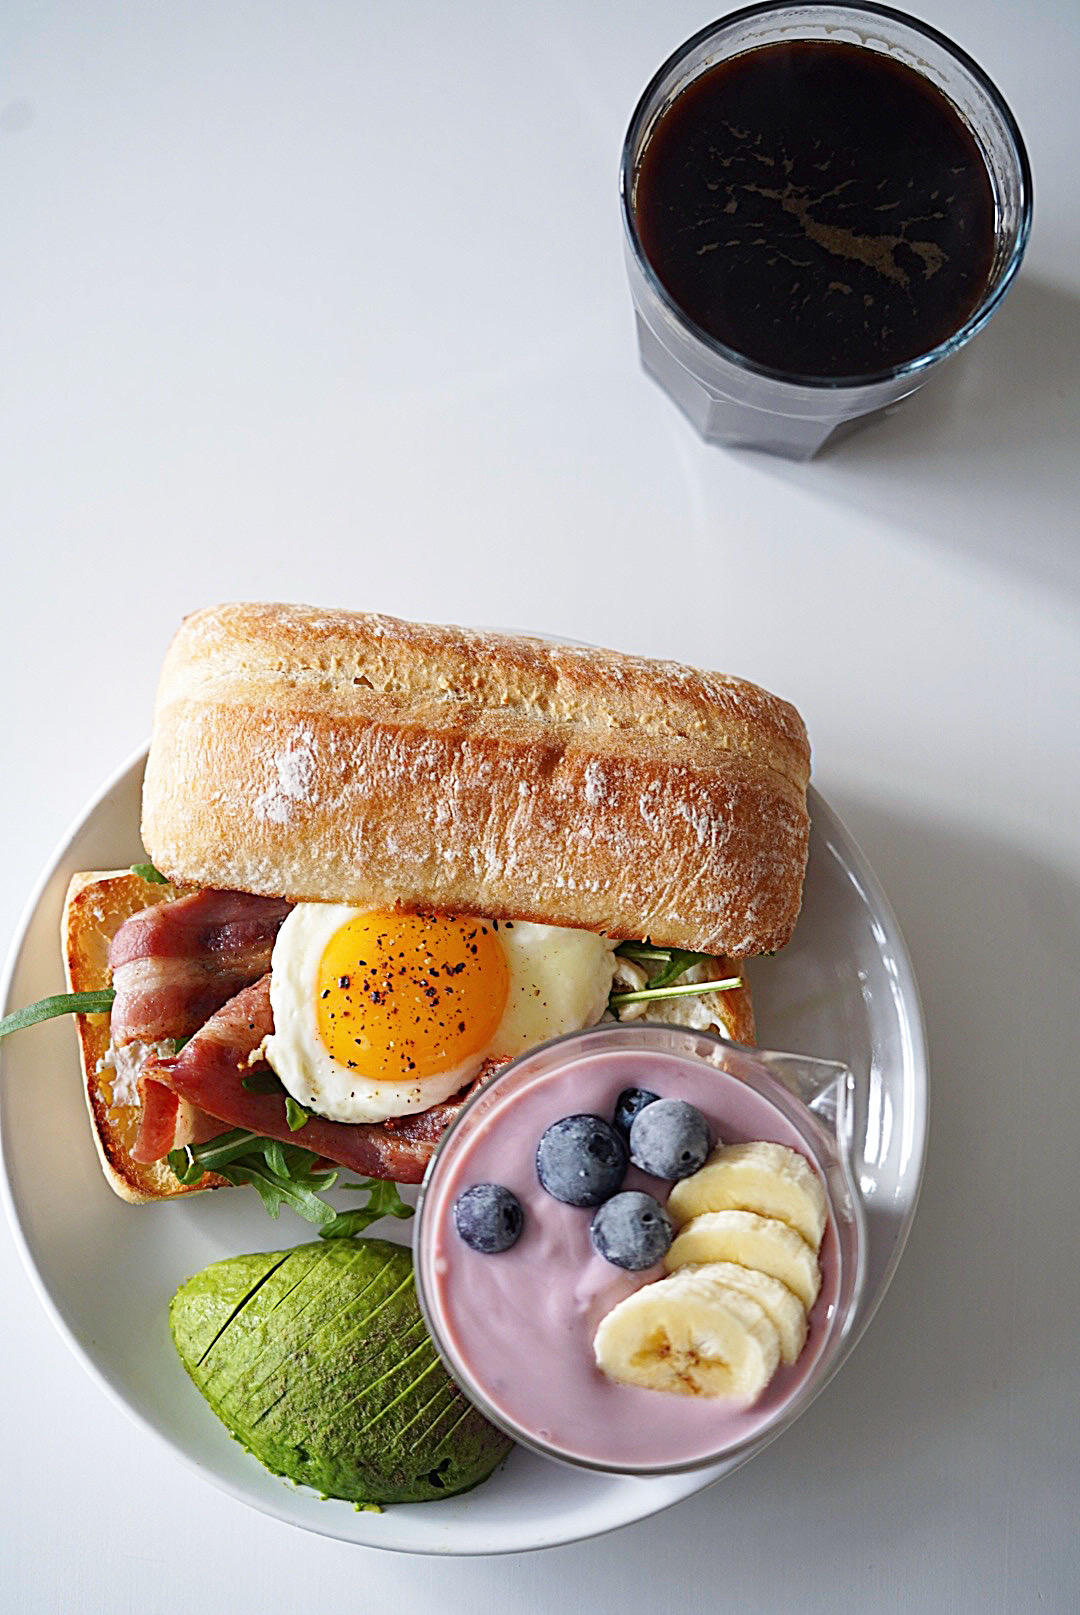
[
  {"x": 816, "y": 1097},
  {"x": 732, "y": 399}
]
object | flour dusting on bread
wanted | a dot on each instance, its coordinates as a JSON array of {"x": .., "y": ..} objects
[
  {"x": 293, "y": 777},
  {"x": 341, "y": 756}
]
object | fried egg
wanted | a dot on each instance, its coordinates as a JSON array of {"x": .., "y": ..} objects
[{"x": 379, "y": 1013}]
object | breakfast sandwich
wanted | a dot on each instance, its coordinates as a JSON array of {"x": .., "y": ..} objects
[{"x": 384, "y": 858}]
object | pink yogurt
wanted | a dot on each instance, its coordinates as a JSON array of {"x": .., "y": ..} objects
[{"x": 518, "y": 1327}]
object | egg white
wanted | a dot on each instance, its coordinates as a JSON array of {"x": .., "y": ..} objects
[{"x": 559, "y": 981}]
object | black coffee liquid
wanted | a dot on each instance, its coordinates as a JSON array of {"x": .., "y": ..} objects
[{"x": 819, "y": 207}]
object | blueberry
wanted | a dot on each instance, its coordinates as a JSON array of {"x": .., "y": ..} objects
[
  {"x": 629, "y": 1102},
  {"x": 581, "y": 1160},
  {"x": 669, "y": 1139},
  {"x": 489, "y": 1218},
  {"x": 632, "y": 1230}
]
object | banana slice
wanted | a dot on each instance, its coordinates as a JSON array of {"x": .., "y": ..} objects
[
  {"x": 777, "y": 1302},
  {"x": 752, "y": 1241},
  {"x": 763, "y": 1177},
  {"x": 692, "y": 1334}
]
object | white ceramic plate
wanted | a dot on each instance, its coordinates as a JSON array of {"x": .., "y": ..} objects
[{"x": 842, "y": 989}]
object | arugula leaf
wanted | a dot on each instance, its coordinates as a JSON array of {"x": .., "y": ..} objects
[
  {"x": 295, "y": 1114},
  {"x": 278, "y": 1188},
  {"x": 642, "y": 950},
  {"x": 677, "y": 990},
  {"x": 674, "y": 962},
  {"x": 681, "y": 960},
  {"x": 286, "y": 1174},
  {"x": 91, "y": 1003},
  {"x": 383, "y": 1201},
  {"x": 383, "y": 1196},
  {"x": 191, "y": 1161},
  {"x": 274, "y": 1155},
  {"x": 148, "y": 872},
  {"x": 262, "y": 1082},
  {"x": 347, "y": 1224}
]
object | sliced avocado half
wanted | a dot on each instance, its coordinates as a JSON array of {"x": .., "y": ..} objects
[{"x": 318, "y": 1362}]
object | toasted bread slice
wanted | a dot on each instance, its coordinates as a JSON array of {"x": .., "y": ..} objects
[{"x": 96, "y": 906}]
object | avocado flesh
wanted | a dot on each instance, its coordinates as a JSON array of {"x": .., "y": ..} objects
[{"x": 318, "y": 1362}]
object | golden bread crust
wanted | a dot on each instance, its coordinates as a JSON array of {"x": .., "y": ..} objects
[
  {"x": 347, "y": 757},
  {"x": 96, "y": 906}
]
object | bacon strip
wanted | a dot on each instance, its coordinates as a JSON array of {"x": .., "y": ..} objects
[
  {"x": 209, "y": 1073},
  {"x": 175, "y": 964},
  {"x": 166, "y": 1122}
]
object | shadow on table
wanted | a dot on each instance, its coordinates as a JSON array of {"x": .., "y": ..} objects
[
  {"x": 966, "y": 1367},
  {"x": 985, "y": 460}
]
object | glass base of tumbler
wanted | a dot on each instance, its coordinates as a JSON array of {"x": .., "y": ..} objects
[{"x": 736, "y": 424}]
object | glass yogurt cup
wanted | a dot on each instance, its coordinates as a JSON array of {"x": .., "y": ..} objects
[{"x": 516, "y": 1329}]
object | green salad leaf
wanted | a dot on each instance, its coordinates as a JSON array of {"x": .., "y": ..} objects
[
  {"x": 680, "y": 962},
  {"x": 383, "y": 1201},
  {"x": 262, "y": 1082},
  {"x": 673, "y": 962},
  {"x": 92, "y": 1003},
  {"x": 295, "y": 1114},
  {"x": 192, "y": 1161},
  {"x": 276, "y": 1188},
  {"x": 285, "y": 1174},
  {"x": 664, "y": 983},
  {"x": 678, "y": 990},
  {"x": 148, "y": 872}
]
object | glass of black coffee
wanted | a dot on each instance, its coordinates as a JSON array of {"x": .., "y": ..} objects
[{"x": 822, "y": 203}]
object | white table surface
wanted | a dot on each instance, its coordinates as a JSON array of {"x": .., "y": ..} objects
[{"x": 325, "y": 302}]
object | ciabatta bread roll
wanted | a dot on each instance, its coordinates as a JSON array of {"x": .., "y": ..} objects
[{"x": 329, "y": 755}]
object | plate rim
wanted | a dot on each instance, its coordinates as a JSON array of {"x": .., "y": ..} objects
[{"x": 687, "y": 1484}]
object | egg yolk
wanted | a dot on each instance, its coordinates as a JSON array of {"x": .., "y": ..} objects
[{"x": 401, "y": 997}]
